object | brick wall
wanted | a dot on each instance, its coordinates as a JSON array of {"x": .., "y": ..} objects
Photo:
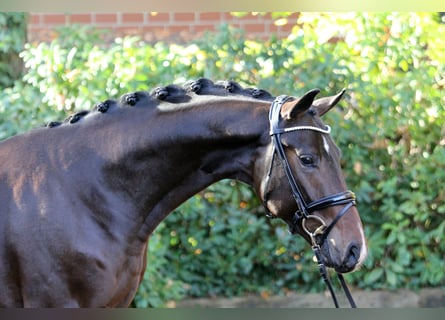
[{"x": 150, "y": 26}]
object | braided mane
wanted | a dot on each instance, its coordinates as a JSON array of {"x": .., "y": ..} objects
[{"x": 172, "y": 94}]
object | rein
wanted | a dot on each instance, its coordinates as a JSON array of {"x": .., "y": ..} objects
[{"x": 304, "y": 209}]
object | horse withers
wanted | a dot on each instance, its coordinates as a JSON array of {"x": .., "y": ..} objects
[{"x": 80, "y": 198}]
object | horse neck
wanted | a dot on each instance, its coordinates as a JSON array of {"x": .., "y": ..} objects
[{"x": 177, "y": 151}]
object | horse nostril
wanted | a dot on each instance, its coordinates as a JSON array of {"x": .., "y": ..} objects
[
  {"x": 353, "y": 255},
  {"x": 351, "y": 259}
]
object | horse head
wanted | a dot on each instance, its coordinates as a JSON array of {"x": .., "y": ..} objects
[{"x": 299, "y": 179}]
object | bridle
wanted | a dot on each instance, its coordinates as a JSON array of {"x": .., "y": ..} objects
[{"x": 304, "y": 210}]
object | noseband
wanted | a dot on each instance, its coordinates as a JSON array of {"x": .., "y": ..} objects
[{"x": 304, "y": 210}]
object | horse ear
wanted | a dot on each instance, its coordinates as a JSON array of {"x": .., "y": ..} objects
[
  {"x": 291, "y": 109},
  {"x": 325, "y": 104}
]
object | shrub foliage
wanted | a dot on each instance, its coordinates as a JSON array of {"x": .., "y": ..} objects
[
  {"x": 390, "y": 128},
  {"x": 12, "y": 39}
]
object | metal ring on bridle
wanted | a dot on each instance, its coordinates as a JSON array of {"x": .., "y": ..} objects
[{"x": 318, "y": 231}]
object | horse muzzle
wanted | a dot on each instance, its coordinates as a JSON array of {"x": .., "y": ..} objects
[
  {"x": 344, "y": 257},
  {"x": 342, "y": 262}
]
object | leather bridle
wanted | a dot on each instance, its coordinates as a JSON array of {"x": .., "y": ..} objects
[{"x": 304, "y": 210}]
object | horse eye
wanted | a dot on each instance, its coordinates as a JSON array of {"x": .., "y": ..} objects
[{"x": 307, "y": 160}]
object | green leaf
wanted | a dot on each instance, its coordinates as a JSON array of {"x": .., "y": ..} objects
[
  {"x": 391, "y": 278},
  {"x": 373, "y": 276}
]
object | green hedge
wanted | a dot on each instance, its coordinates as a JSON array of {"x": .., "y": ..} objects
[
  {"x": 390, "y": 128},
  {"x": 12, "y": 39}
]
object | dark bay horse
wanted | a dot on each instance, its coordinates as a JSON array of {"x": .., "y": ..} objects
[{"x": 79, "y": 198}]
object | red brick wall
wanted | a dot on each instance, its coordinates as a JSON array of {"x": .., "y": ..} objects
[{"x": 171, "y": 26}]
